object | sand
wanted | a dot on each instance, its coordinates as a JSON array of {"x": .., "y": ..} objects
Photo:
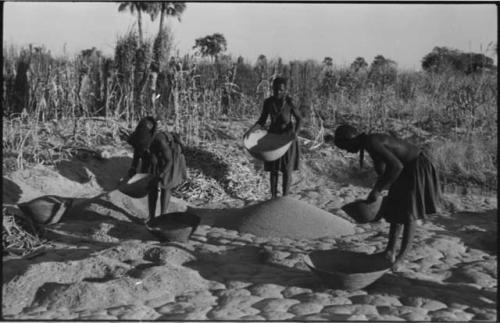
[{"x": 246, "y": 260}]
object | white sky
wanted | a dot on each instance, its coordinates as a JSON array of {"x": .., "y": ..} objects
[{"x": 402, "y": 32}]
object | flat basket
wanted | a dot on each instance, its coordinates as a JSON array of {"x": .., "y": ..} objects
[
  {"x": 362, "y": 211},
  {"x": 347, "y": 270},
  {"x": 267, "y": 146},
  {"x": 46, "y": 209},
  {"x": 177, "y": 226},
  {"x": 137, "y": 186}
]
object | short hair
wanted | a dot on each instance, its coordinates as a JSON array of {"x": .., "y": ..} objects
[
  {"x": 148, "y": 122},
  {"x": 278, "y": 81},
  {"x": 143, "y": 135},
  {"x": 343, "y": 133}
]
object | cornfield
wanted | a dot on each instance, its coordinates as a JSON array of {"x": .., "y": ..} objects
[{"x": 91, "y": 99}]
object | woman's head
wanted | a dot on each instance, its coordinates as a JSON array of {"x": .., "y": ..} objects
[
  {"x": 143, "y": 135},
  {"x": 279, "y": 87},
  {"x": 345, "y": 138}
]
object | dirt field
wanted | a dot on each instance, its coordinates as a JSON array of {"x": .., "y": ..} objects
[{"x": 102, "y": 264}]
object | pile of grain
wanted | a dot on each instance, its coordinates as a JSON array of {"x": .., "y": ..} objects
[{"x": 291, "y": 218}]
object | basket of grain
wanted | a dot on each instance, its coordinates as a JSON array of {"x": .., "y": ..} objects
[{"x": 267, "y": 146}]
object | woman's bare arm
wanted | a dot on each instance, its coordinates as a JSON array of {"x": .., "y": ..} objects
[
  {"x": 263, "y": 116},
  {"x": 261, "y": 121},
  {"x": 393, "y": 166},
  {"x": 379, "y": 167},
  {"x": 133, "y": 167},
  {"x": 298, "y": 118},
  {"x": 166, "y": 155}
]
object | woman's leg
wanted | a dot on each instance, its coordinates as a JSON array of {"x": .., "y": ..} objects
[
  {"x": 394, "y": 232},
  {"x": 152, "y": 199},
  {"x": 287, "y": 181},
  {"x": 164, "y": 200},
  {"x": 274, "y": 184},
  {"x": 406, "y": 242}
]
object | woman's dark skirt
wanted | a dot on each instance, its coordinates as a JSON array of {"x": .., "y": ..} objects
[
  {"x": 288, "y": 162},
  {"x": 414, "y": 194},
  {"x": 176, "y": 174}
]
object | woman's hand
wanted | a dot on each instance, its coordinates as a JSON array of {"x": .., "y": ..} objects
[
  {"x": 245, "y": 136},
  {"x": 252, "y": 128},
  {"x": 373, "y": 196},
  {"x": 153, "y": 184}
]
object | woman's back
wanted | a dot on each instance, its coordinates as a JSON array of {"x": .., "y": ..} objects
[{"x": 403, "y": 150}]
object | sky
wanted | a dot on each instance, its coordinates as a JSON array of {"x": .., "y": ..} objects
[{"x": 404, "y": 33}]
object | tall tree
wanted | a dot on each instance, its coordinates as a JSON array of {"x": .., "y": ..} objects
[
  {"x": 164, "y": 10},
  {"x": 383, "y": 71},
  {"x": 358, "y": 64},
  {"x": 139, "y": 7},
  {"x": 442, "y": 59},
  {"x": 211, "y": 45},
  {"x": 328, "y": 61},
  {"x": 261, "y": 66}
]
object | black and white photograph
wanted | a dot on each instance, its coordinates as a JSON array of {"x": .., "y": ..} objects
[{"x": 249, "y": 161}]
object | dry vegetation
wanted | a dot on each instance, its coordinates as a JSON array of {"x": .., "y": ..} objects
[
  {"x": 56, "y": 107},
  {"x": 19, "y": 234}
]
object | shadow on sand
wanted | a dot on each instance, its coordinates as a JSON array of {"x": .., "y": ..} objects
[
  {"x": 11, "y": 192},
  {"x": 477, "y": 230},
  {"x": 227, "y": 218},
  {"x": 95, "y": 216},
  {"x": 227, "y": 266},
  {"x": 445, "y": 293},
  {"x": 107, "y": 172}
]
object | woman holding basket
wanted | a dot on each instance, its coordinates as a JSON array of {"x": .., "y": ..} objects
[{"x": 281, "y": 109}]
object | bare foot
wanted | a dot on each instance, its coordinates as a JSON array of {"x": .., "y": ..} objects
[{"x": 397, "y": 266}]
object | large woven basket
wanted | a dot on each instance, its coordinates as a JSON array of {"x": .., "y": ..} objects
[
  {"x": 46, "y": 209},
  {"x": 137, "y": 186},
  {"x": 362, "y": 211},
  {"x": 177, "y": 226},
  {"x": 347, "y": 270},
  {"x": 267, "y": 146}
]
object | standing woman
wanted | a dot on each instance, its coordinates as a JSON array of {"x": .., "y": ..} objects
[
  {"x": 161, "y": 153},
  {"x": 280, "y": 107}
]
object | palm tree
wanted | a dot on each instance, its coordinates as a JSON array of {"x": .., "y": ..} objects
[
  {"x": 165, "y": 9},
  {"x": 359, "y": 64},
  {"x": 139, "y": 7}
]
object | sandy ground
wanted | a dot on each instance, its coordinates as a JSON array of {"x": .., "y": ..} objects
[{"x": 102, "y": 264}]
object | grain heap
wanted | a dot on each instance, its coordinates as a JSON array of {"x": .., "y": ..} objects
[{"x": 286, "y": 217}]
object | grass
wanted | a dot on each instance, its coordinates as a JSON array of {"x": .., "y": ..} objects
[{"x": 467, "y": 162}]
